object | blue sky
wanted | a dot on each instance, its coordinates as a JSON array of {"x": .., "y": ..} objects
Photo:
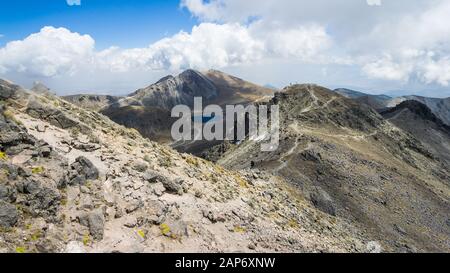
[
  {"x": 118, "y": 46},
  {"x": 130, "y": 23}
]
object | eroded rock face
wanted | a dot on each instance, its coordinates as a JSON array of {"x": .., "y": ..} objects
[
  {"x": 7, "y": 90},
  {"x": 12, "y": 136},
  {"x": 53, "y": 116}
]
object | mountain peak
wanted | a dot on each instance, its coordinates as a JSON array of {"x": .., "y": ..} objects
[{"x": 166, "y": 78}]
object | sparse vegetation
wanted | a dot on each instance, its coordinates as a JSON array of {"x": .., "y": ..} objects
[
  {"x": 3, "y": 156},
  {"x": 141, "y": 233},
  {"x": 239, "y": 229},
  {"x": 86, "y": 239},
  {"x": 165, "y": 229},
  {"x": 21, "y": 249},
  {"x": 37, "y": 170}
]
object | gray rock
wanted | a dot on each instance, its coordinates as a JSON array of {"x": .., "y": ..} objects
[
  {"x": 7, "y": 193},
  {"x": 11, "y": 170},
  {"x": 8, "y": 215},
  {"x": 40, "y": 128},
  {"x": 152, "y": 176},
  {"x": 31, "y": 186},
  {"x": 140, "y": 166},
  {"x": 81, "y": 170},
  {"x": 173, "y": 186},
  {"x": 13, "y": 135},
  {"x": 45, "y": 202},
  {"x": 95, "y": 221},
  {"x": 87, "y": 147},
  {"x": 323, "y": 201},
  {"x": 45, "y": 151}
]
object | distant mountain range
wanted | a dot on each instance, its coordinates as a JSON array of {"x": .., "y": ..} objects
[{"x": 440, "y": 107}]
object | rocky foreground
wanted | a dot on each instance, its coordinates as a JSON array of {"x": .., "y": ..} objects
[{"x": 71, "y": 180}]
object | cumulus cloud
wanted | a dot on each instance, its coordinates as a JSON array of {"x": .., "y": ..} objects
[
  {"x": 51, "y": 52},
  {"x": 58, "y": 51},
  {"x": 401, "y": 41},
  {"x": 393, "y": 43},
  {"x": 418, "y": 45},
  {"x": 73, "y": 2}
]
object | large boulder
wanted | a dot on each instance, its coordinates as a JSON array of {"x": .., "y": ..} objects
[
  {"x": 8, "y": 215},
  {"x": 45, "y": 202},
  {"x": 95, "y": 221}
]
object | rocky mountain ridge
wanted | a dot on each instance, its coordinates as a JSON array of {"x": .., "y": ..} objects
[
  {"x": 351, "y": 162},
  {"x": 71, "y": 180}
]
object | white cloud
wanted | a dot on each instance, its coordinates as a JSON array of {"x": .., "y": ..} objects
[
  {"x": 73, "y": 2},
  {"x": 418, "y": 46},
  {"x": 57, "y": 51},
  {"x": 393, "y": 43},
  {"x": 51, "y": 52},
  {"x": 386, "y": 68},
  {"x": 374, "y": 2}
]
